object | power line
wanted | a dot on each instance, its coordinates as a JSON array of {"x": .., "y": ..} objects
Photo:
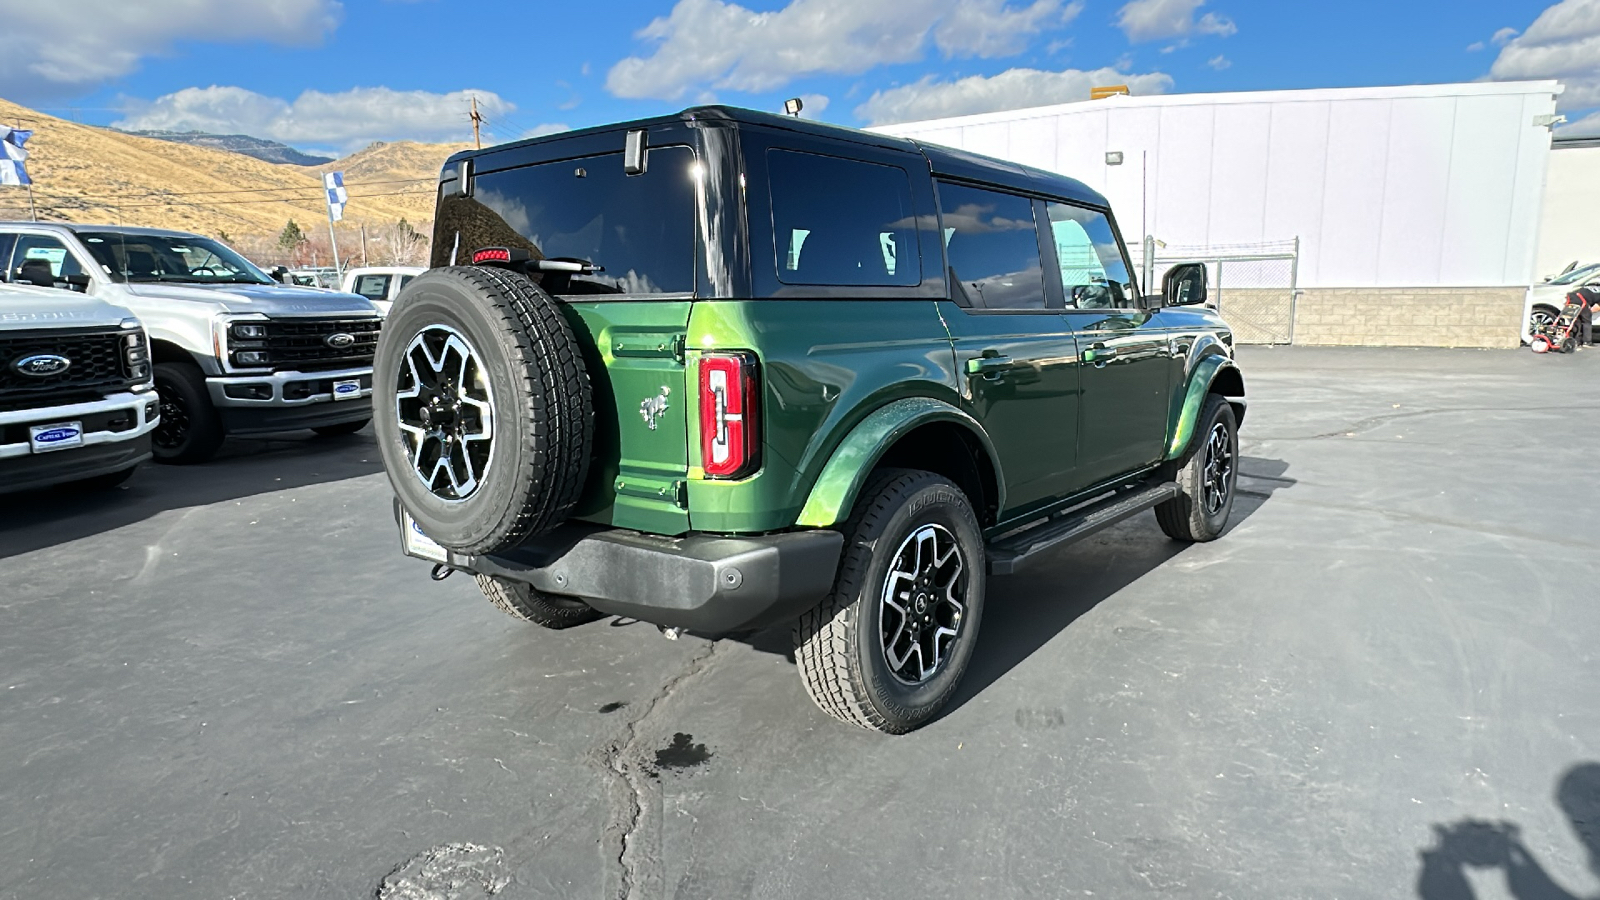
[{"x": 246, "y": 190}]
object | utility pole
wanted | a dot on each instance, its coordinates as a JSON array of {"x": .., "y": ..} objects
[
  {"x": 477, "y": 122},
  {"x": 363, "y": 243},
  {"x": 33, "y": 211}
]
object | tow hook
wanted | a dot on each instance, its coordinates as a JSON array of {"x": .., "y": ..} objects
[
  {"x": 440, "y": 572},
  {"x": 670, "y": 634}
]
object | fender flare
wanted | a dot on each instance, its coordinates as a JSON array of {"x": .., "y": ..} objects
[
  {"x": 834, "y": 493},
  {"x": 1200, "y": 380}
]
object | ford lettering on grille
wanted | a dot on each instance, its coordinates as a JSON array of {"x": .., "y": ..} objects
[
  {"x": 42, "y": 365},
  {"x": 340, "y": 340}
]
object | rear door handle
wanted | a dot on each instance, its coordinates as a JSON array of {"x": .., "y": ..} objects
[
  {"x": 990, "y": 367},
  {"x": 1100, "y": 354}
]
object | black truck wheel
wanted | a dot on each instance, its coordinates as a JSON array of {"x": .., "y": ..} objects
[
  {"x": 887, "y": 648},
  {"x": 522, "y": 601},
  {"x": 1206, "y": 475},
  {"x": 190, "y": 429},
  {"x": 482, "y": 408}
]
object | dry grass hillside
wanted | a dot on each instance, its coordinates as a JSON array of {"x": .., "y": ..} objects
[{"x": 87, "y": 174}]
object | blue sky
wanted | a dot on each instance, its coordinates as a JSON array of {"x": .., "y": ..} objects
[{"x": 332, "y": 76}]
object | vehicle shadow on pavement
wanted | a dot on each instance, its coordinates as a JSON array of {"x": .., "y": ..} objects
[
  {"x": 1024, "y": 612},
  {"x": 245, "y": 467},
  {"x": 1477, "y": 845}
]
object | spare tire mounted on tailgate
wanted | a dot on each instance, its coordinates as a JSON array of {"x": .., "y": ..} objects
[{"x": 482, "y": 408}]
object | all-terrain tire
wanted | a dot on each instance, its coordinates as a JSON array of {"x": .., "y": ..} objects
[
  {"x": 543, "y": 422},
  {"x": 521, "y": 601},
  {"x": 190, "y": 429},
  {"x": 1189, "y": 517},
  {"x": 342, "y": 428},
  {"x": 839, "y": 645}
]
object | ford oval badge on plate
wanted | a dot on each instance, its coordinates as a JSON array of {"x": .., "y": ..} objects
[
  {"x": 340, "y": 340},
  {"x": 346, "y": 390},
  {"x": 42, "y": 365},
  {"x": 58, "y": 436}
]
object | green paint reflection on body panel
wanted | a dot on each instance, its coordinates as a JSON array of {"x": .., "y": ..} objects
[{"x": 825, "y": 366}]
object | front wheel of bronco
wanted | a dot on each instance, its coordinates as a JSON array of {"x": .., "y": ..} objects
[
  {"x": 887, "y": 648},
  {"x": 521, "y": 601},
  {"x": 1207, "y": 476}
]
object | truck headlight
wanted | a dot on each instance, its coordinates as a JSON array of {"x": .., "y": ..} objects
[
  {"x": 249, "y": 332},
  {"x": 252, "y": 358}
]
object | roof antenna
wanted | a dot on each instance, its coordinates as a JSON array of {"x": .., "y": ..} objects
[{"x": 793, "y": 105}]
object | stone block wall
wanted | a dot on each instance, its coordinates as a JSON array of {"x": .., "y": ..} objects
[{"x": 1410, "y": 317}]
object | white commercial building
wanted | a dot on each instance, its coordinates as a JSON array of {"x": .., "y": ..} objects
[{"x": 1416, "y": 209}]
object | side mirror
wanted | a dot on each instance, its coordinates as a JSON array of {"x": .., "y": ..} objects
[
  {"x": 280, "y": 274},
  {"x": 79, "y": 283},
  {"x": 1184, "y": 285}
]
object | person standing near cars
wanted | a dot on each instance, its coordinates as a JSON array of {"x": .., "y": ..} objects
[{"x": 1590, "y": 298}]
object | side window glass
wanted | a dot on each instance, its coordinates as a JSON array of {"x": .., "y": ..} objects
[
  {"x": 7, "y": 241},
  {"x": 373, "y": 287},
  {"x": 1093, "y": 273},
  {"x": 993, "y": 247},
  {"x": 42, "y": 261},
  {"x": 842, "y": 222}
]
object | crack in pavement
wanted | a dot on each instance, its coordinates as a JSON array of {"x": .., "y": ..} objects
[{"x": 622, "y": 763}]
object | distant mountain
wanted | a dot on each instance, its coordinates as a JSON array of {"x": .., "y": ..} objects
[{"x": 260, "y": 148}]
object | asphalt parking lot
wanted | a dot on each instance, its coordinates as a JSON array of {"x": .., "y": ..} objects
[{"x": 226, "y": 682}]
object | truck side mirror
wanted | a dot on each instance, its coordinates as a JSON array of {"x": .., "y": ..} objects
[
  {"x": 280, "y": 274},
  {"x": 1184, "y": 285},
  {"x": 79, "y": 283}
]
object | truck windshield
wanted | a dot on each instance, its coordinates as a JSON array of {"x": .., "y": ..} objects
[{"x": 141, "y": 258}]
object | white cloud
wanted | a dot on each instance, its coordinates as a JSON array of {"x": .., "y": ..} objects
[
  {"x": 348, "y": 120},
  {"x": 1476, "y": 46},
  {"x": 1012, "y": 89},
  {"x": 1219, "y": 62},
  {"x": 813, "y": 105},
  {"x": 1503, "y": 36},
  {"x": 1586, "y": 127},
  {"x": 728, "y": 46},
  {"x": 48, "y": 50},
  {"x": 1154, "y": 20},
  {"x": 1564, "y": 43}
]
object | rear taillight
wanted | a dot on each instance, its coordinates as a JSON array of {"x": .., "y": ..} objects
[{"x": 730, "y": 411}]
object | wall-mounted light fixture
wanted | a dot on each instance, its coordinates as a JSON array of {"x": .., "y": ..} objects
[
  {"x": 793, "y": 105},
  {"x": 1114, "y": 158}
]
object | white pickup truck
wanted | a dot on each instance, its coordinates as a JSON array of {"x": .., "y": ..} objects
[
  {"x": 77, "y": 400},
  {"x": 234, "y": 352},
  {"x": 380, "y": 284}
]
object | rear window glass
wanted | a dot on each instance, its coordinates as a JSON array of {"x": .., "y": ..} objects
[
  {"x": 842, "y": 222},
  {"x": 373, "y": 287},
  {"x": 640, "y": 228}
]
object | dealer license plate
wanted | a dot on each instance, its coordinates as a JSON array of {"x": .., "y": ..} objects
[
  {"x": 418, "y": 544},
  {"x": 60, "y": 436},
  {"x": 347, "y": 390}
]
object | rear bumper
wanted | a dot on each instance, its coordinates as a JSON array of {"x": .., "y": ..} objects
[{"x": 705, "y": 583}]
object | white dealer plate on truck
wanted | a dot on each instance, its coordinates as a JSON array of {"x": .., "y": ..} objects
[
  {"x": 347, "y": 390},
  {"x": 60, "y": 436},
  {"x": 418, "y": 544}
]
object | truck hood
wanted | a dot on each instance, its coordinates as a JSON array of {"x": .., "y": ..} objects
[
  {"x": 55, "y": 309},
  {"x": 268, "y": 299}
]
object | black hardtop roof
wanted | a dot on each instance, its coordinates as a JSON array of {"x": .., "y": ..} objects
[{"x": 946, "y": 161}]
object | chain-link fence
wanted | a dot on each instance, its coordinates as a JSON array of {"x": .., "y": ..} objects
[{"x": 1254, "y": 286}]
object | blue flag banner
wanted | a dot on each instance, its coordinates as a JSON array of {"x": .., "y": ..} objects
[
  {"x": 12, "y": 156},
  {"x": 337, "y": 195}
]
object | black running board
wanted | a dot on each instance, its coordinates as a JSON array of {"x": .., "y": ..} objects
[{"x": 1009, "y": 554}]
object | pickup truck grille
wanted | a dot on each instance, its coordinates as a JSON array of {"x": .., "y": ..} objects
[
  {"x": 301, "y": 345},
  {"x": 98, "y": 366}
]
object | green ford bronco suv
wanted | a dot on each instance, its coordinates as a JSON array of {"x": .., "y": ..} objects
[{"x": 725, "y": 370}]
